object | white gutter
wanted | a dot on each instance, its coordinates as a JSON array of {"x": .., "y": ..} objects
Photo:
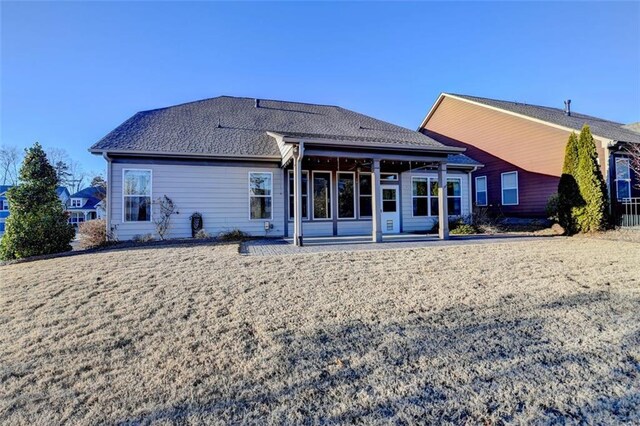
[{"x": 108, "y": 199}]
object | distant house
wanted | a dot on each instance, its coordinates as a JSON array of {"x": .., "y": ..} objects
[
  {"x": 63, "y": 194},
  {"x": 522, "y": 148},
  {"x": 85, "y": 204},
  {"x": 280, "y": 168}
]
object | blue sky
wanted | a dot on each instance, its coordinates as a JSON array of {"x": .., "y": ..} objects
[{"x": 71, "y": 72}]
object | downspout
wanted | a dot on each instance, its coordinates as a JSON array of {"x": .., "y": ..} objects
[
  {"x": 108, "y": 198},
  {"x": 471, "y": 193}
]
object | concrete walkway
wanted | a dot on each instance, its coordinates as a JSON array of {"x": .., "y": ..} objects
[{"x": 276, "y": 247}]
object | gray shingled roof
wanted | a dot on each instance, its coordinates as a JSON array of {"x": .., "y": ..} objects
[
  {"x": 235, "y": 127},
  {"x": 599, "y": 127}
]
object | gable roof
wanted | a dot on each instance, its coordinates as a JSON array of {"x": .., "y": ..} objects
[
  {"x": 235, "y": 127},
  {"x": 93, "y": 195},
  {"x": 555, "y": 116}
]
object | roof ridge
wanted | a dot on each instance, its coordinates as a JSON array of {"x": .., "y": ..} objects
[
  {"x": 238, "y": 97},
  {"x": 573, "y": 114}
]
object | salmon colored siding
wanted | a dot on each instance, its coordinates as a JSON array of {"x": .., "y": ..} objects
[{"x": 504, "y": 143}]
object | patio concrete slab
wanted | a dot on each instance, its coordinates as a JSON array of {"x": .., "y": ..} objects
[{"x": 280, "y": 246}]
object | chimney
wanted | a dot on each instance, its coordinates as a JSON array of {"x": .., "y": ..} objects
[
  {"x": 257, "y": 103},
  {"x": 567, "y": 107}
]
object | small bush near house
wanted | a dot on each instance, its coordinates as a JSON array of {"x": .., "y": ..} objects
[
  {"x": 142, "y": 238},
  {"x": 233, "y": 235},
  {"x": 202, "y": 235},
  {"x": 38, "y": 223},
  {"x": 464, "y": 229},
  {"x": 93, "y": 233},
  {"x": 163, "y": 220},
  {"x": 553, "y": 207},
  {"x": 484, "y": 221},
  {"x": 456, "y": 227}
]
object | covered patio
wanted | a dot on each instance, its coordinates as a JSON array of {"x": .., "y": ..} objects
[{"x": 335, "y": 165}]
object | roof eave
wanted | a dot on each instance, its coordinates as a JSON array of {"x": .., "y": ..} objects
[
  {"x": 165, "y": 154},
  {"x": 382, "y": 146}
]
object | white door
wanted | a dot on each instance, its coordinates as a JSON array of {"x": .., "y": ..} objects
[{"x": 390, "y": 209}]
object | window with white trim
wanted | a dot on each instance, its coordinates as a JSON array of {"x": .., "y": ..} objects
[
  {"x": 510, "y": 196},
  {"x": 420, "y": 195},
  {"x": 260, "y": 195},
  {"x": 136, "y": 195},
  {"x": 346, "y": 195},
  {"x": 321, "y": 195},
  {"x": 454, "y": 197},
  {"x": 364, "y": 180},
  {"x": 305, "y": 195},
  {"x": 4, "y": 205},
  {"x": 76, "y": 202},
  {"x": 623, "y": 178},
  {"x": 481, "y": 191}
]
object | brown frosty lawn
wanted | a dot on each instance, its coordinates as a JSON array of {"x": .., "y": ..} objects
[{"x": 518, "y": 332}]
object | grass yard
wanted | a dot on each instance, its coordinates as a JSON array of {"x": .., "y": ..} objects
[{"x": 516, "y": 332}]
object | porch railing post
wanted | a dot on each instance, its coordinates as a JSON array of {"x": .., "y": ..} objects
[
  {"x": 297, "y": 197},
  {"x": 376, "y": 203},
  {"x": 443, "y": 214}
]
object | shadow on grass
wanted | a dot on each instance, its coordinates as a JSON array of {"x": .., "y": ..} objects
[{"x": 463, "y": 365}]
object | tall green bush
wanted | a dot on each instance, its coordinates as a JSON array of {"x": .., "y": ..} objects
[
  {"x": 582, "y": 191},
  {"x": 37, "y": 223},
  {"x": 569, "y": 199},
  {"x": 592, "y": 216}
]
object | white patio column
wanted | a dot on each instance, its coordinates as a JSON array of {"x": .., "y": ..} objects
[
  {"x": 443, "y": 214},
  {"x": 297, "y": 197},
  {"x": 376, "y": 203}
]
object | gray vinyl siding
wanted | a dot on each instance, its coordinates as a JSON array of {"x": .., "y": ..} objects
[
  {"x": 351, "y": 227},
  {"x": 422, "y": 223},
  {"x": 315, "y": 228},
  {"x": 219, "y": 193}
]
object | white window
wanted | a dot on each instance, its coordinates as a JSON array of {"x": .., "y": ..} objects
[
  {"x": 510, "y": 195},
  {"x": 454, "y": 196},
  {"x": 420, "y": 195},
  {"x": 346, "y": 195},
  {"x": 321, "y": 195},
  {"x": 364, "y": 181},
  {"x": 305, "y": 194},
  {"x": 136, "y": 195},
  {"x": 425, "y": 196},
  {"x": 623, "y": 178},
  {"x": 76, "y": 202},
  {"x": 4, "y": 205},
  {"x": 481, "y": 191},
  {"x": 260, "y": 195}
]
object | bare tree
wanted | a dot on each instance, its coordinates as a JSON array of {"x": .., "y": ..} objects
[
  {"x": 70, "y": 172},
  {"x": 633, "y": 150},
  {"x": 10, "y": 159},
  {"x": 77, "y": 176}
]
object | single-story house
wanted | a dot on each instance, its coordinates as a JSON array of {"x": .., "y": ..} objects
[
  {"x": 276, "y": 168},
  {"x": 522, "y": 149},
  {"x": 63, "y": 194},
  {"x": 84, "y": 204}
]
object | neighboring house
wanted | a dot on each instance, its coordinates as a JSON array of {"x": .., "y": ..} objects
[
  {"x": 4, "y": 207},
  {"x": 235, "y": 161},
  {"x": 63, "y": 194},
  {"x": 522, "y": 148},
  {"x": 84, "y": 204}
]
